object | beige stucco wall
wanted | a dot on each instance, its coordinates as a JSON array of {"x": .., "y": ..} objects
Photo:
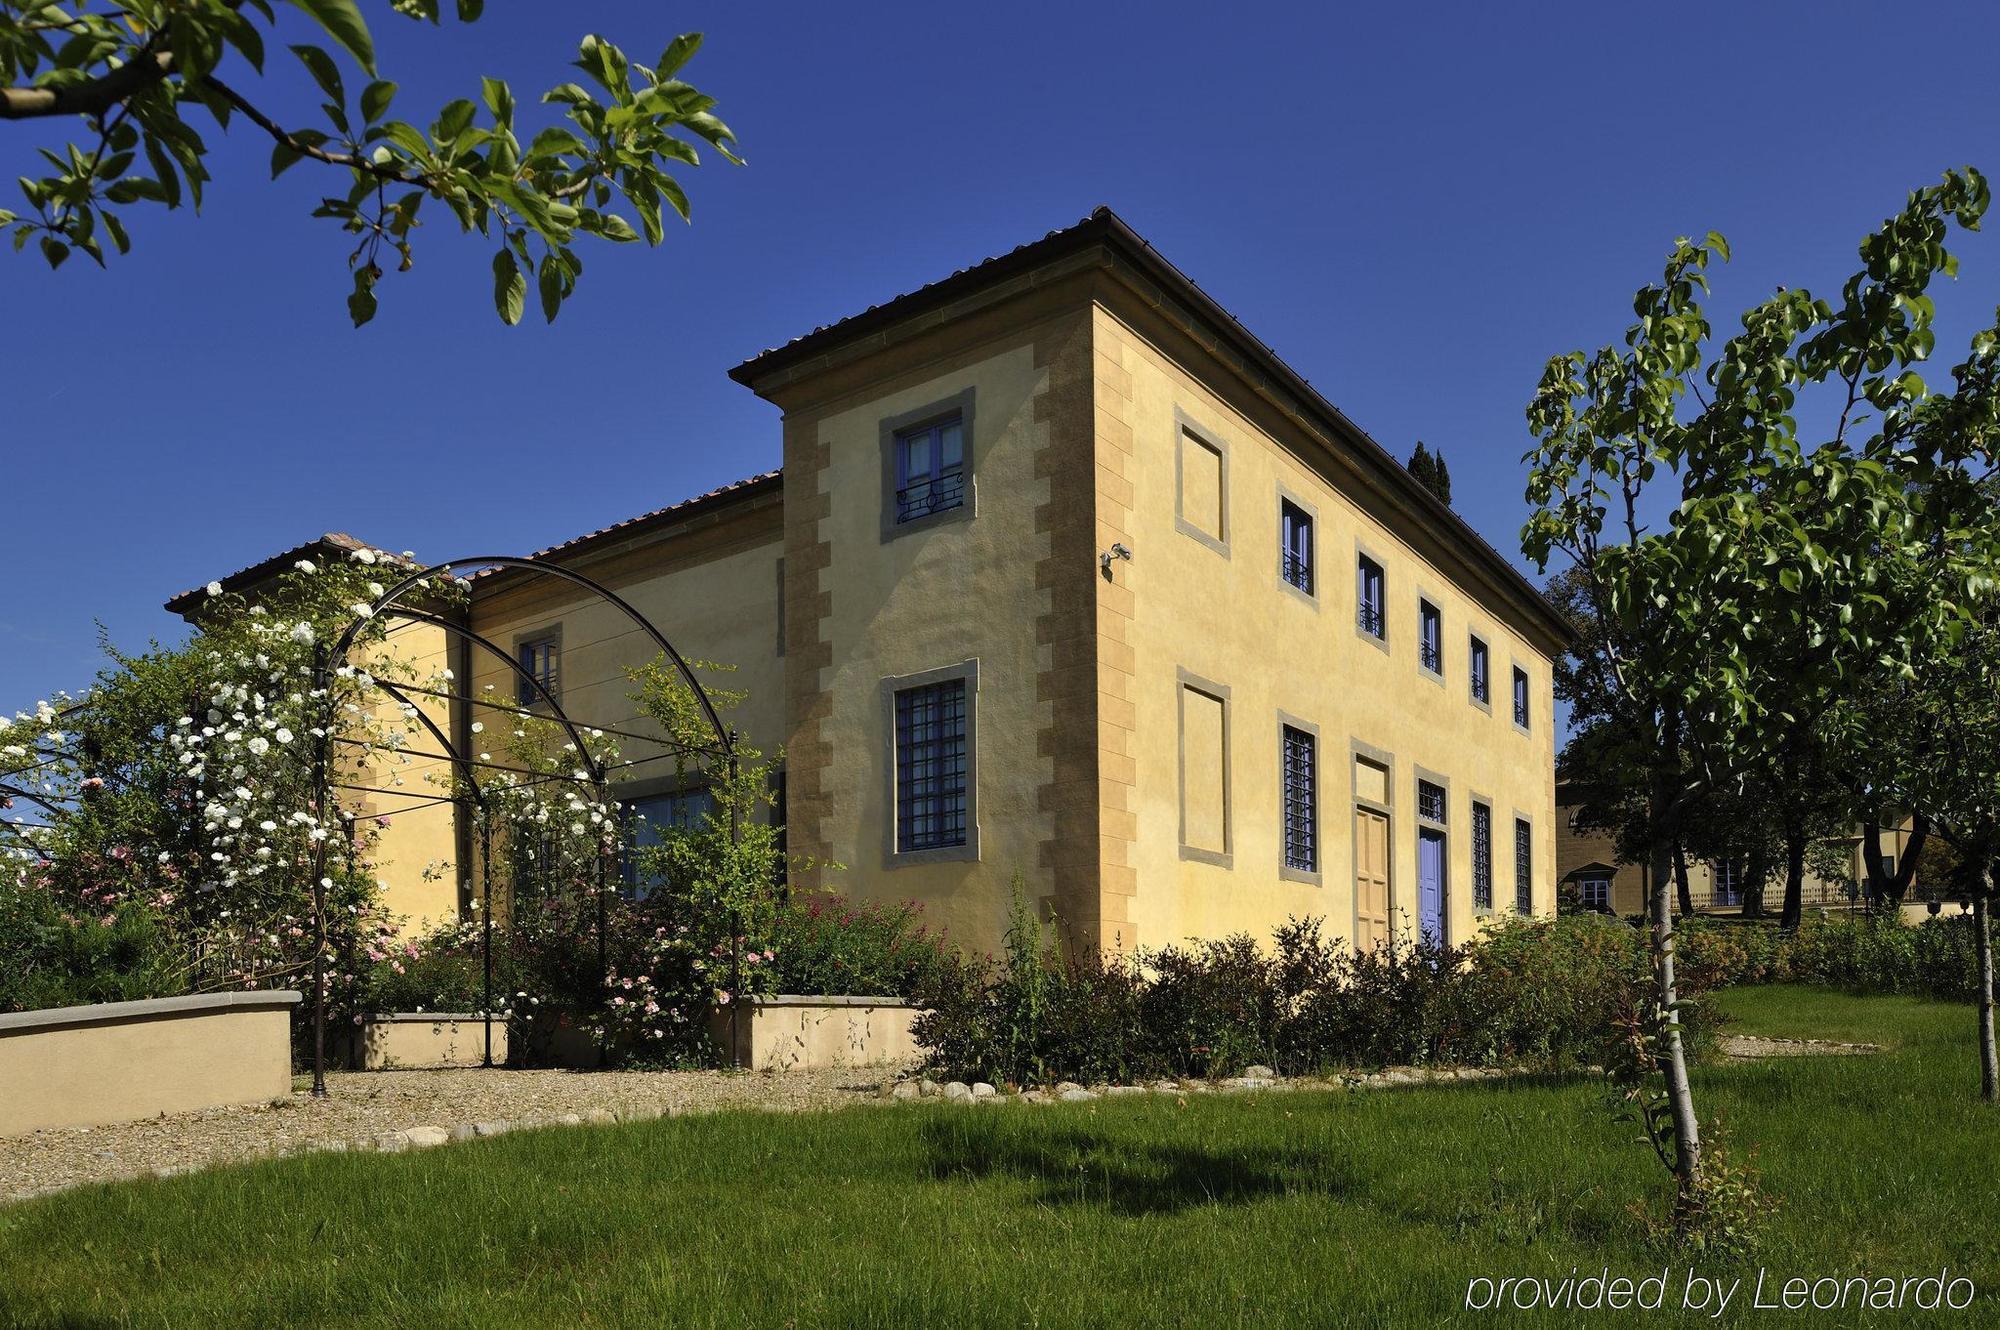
[
  {"x": 416, "y": 1039},
  {"x": 123, "y": 1061},
  {"x": 712, "y": 592},
  {"x": 963, "y": 590},
  {"x": 1228, "y": 619},
  {"x": 415, "y": 853}
]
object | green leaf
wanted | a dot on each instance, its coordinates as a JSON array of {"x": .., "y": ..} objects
[
  {"x": 510, "y": 288},
  {"x": 613, "y": 227},
  {"x": 55, "y": 251},
  {"x": 343, "y": 22},
  {"x": 283, "y": 159},
  {"x": 324, "y": 71},
  {"x": 361, "y": 304},
  {"x": 550, "y": 282},
  {"x": 375, "y": 99},
  {"x": 677, "y": 53},
  {"x": 163, "y": 169},
  {"x": 470, "y": 10},
  {"x": 499, "y": 99}
]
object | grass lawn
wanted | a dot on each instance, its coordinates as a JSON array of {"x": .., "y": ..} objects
[{"x": 1292, "y": 1209}]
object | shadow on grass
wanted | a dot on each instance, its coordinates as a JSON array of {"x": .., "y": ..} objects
[{"x": 1075, "y": 1166}]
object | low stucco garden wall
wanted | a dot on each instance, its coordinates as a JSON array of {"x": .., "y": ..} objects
[
  {"x": 121, "y": 1061},
  {"x": 796, "y": 1033},
  {"x": 408, "y": 1039}
]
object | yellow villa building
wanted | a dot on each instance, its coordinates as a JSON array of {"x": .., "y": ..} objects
[{"x": 1066, "y": 575}]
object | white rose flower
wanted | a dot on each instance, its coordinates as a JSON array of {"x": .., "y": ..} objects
[
  {"x": 306, "y": 566},
  {"x": 215, "y": 588}
]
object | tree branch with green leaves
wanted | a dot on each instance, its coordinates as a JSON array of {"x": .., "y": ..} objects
[{"x": 127, "y": 74}]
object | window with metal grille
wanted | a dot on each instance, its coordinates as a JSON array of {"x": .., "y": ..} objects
[
  {"x": 930, "y": 766},
  {"x": 1295, "y": 534},
  {"x": 1524, "y": 867},
  {"x": 1521, "y": 698},
  {"x": 1482, "y": 857},
  {"x": 538, "y": 662},
  {"x": 930, "y": 468},
  {"x": 1368, "y": 598},
  {"x": 1301, "y": 775},
  {"x": 1728, "y": 883},
  {"x": 1481, "y": 684},
  {"x": 1430, "y": 801},
  {"x": 1430, "y": 637}
]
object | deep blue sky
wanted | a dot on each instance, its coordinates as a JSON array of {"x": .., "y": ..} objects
[{"x": 1414, "y": 204}]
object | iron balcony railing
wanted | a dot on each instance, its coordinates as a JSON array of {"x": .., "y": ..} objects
[
  {"x": 931, "y": 494},
  {"x": 1370, "y": 618}
]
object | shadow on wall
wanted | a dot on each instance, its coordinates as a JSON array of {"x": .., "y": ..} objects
[{"x": 1129, "y": 1177}]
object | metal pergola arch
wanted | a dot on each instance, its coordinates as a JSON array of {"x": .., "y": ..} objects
[{"x": 330, "y": 662}]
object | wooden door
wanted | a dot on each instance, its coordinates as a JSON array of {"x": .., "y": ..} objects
[{"x": 1371, "y": 878}]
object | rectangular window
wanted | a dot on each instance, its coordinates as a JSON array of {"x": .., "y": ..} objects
[
  {"x": 1728, "y": 884},
  {"x": 648, "y": 823},
  {"x": 1521, "y": 698},
  {"x": 930, "y": 468},
  {"x": 1524, "y": 865},
  {"x": 1295, "y": 534},
  {"x": 931, "y": 766},
  {"x": 1301, "y": 777},
  {"x": 1430, "y": 801},
  {"x": 538, "y": 662},
  {"x": 1430, "y": 637},
  {"x": 1477, "y": 667},
  {"x": 1368, "y": 599},
  {"x": 1594, "y": 893},
  {"x": 1482, "y": 857}
]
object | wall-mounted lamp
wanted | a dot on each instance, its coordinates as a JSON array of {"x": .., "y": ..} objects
[{"x": 1117, "y": 551}]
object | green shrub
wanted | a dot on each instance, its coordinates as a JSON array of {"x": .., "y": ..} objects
[
  {"x": 823, "y": 944},
  {"x": 66, "y": 954},
  {"x": 1545, "y": 992},
  {"x": 1859, "y": 953}
]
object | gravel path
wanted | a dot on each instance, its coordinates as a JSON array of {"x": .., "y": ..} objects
[
  {"x": 1747, "y": 1046},
  {"x": 362, "y": 1107}
]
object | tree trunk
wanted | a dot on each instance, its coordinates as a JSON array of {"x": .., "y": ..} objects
[
  {"x": 1795, "y": 876},
  {"x": 1874, "y": 876},
  {"x": 1989, "y": 1065},
  {"x": 1681, "y": 887},
  {"x": 1756, "y": 874},
  {"x": 1906, "y": 867},
  {"x": 1673, "y": 1057}
]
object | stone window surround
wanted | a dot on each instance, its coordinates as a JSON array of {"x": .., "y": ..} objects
[
  {"x": 1184, "y": 425},
  {"x": 1426, "y": 597},
  {"x": 959, "y": 404},
  {"x": 1484, "y": 639},
  {"x": 1316, "y": 877},
  {"x": 1361, "y": 751},
  {"x": 1362, "y": 550},
  {"x": 1521, "y": 820},
  {"x": 968, "y": 670},
  {"x": 1286, "y": 494},
  {"x": 1475, "y": 798},
  {"x": 1443, "y": 782},
  {"x": 1184, "y": 680}
]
